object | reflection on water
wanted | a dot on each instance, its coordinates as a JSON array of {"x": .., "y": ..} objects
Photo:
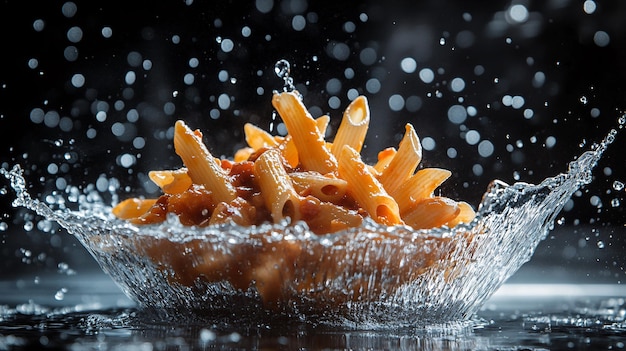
[{"x": 518, "y": 317}]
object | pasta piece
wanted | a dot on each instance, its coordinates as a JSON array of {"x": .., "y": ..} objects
[
  {"x": 257, "y": 138},
  {"x": 384, "y": 157},
  {"x": 420, "y": 186},
  {"x": 133, "y": 208},
  {"x": 466, "y": 214},
  {"x": 201, "y": 166},
  {"x": 353, "y": 127},
  {"x": 322, "y": 123},
  {"x": 278, "y": 192},
  {"x": 310, "y": 143},
  {"x": 324, "y": 187},
  {"x": 171, "y": 182},
  {"x": 366, "y": 190},
  {"x": 243, "y": 154},
  {"x": 327, "y": 217},
  {"x": 431, "y": 213},
  {"x": 404, "y": 162},
  {"x": 289, "y": 152}
]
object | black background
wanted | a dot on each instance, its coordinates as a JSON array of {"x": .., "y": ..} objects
[{"x": 580, "y": 101}]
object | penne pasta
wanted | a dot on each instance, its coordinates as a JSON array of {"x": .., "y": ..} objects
[
  {"x": 171, "y": 182},
  {"x": 280, "y": 196},
  {"x": 132, "y": 208},
  {"x": 431, "y": 212},
  {"x": 324, "y": 187},
  {"x": 353, "y": 127},
  {"x": 366, "y": 190},
  {"x": 466, "y": 215},
  {"x": 384, "y": 157},
  {"x": 420, "y": 186},
  {"x": 404, "y": 162},
  {"x": 257, "y": 138},
  {"x": 289, "y": 151},
  {"x": 201, "y": 166},
  {"x": 309, "y": 142},
  {"x": 322, "y": 124},
  {"x": 300, "y": 176}
]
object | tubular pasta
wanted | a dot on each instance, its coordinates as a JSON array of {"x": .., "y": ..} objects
[
  {"x": 322, "y": 124},
  {"x": 404, "y": 162},
  {"x": 257, "y": 138},
  {"x": 310, "y": 143},
  {"x": 133, "y": 208},
  {"x": 171, "y": 182},
  {"x": 201, "y": 166},
  {"x": 384, "y": 157},
  {"x": 431, "y": 212},
  {"x": 323, "y": 187},
  {"x": 280, "y": 196},
  {"x": 466, "y": 214},
  {"x": 353, "y": 126},
  {"x": 300, "y": 176},
  {"x": 366, "y": 190},
  {"x": 420, "y": 186}
]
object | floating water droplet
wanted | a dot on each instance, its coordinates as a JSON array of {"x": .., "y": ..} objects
[
  {"x": 600, "y": 244},
  {"x": 622, "y": 120},
  {"x": 615, "y": 202},
  {"x": 282, "y": 68},
  {"x": 60, "y": 294},
  {"x": 618, "y": 186},
  {"x": 583, "y": 100}
]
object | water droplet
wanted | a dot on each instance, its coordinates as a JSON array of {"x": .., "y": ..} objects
[
  {"x": 622, "y": 120},
  {"x": 60, "y": 294},
  {"x": 600, "y": 244},
  {"x": 615, "y": 202},
  {"x": 583, "y": 100},
  {"x": 282, "y": 68},
  {"x": 618, "y": 186}
]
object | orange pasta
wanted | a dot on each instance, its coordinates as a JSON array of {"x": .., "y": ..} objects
[
  {"x": 366, "y": 190},
  {"x": 312, "y": 150},
  {"x": 300, "y": 177}
]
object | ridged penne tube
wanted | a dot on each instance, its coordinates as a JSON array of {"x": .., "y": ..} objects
[
  {"x": 322, "y": 124},
  {"x": 310, "y": 143},
  {"x": 133, "y": 208},
  {"x": 258, "y": 138},
  {"x": 201, "y": 166},
  {"x": 323, "y": 187},
  {"x": 404, "y": 162},
  {"x": 243, "y": 154},
  {"x": 289, "y": 151},
  {"x": 466, "y": 214},
  {"x": 278, "y": 192},
  {"x": 366, "y": 190},
  {"x": 431, "y": 213},
  {"x": 330, "y": 217},
  {"x": 353, "y": 127},
  {"x": 384, "y": 157},
  {"x": 172, "y": 181},
  {"x": 419, "y": 186}
]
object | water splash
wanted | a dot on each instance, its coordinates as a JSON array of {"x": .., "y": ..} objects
[
  {"x": 282, "y": 69},
  {"x": 466, "y": 264}
]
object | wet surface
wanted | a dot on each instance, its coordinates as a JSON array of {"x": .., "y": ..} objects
[{"x": 518, "y": 317}]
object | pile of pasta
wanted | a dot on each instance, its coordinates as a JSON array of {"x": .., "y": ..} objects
[{"x": 300, "y": 177}]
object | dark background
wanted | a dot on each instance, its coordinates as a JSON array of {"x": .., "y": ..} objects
[{"x": 567, "y": 62}]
